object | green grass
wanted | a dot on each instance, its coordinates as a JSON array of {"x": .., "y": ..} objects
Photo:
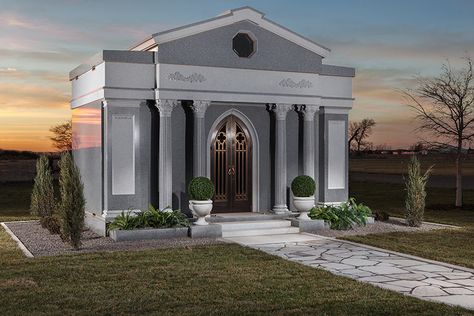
[
  {"x": 15, "y": 201},
  {"x": 453, "y": 246},
  {"x": 221, "y": 279},
  {"x": 443, "y": 164}
]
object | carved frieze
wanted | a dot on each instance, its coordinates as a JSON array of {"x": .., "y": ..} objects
[
  {"x": 195, "y": 77},
  {"x": 290, "y": 83}
]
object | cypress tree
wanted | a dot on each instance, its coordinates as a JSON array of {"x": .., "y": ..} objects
[
  {"x": 72, "y": 204},
  {"x": 42, "y": 197}
]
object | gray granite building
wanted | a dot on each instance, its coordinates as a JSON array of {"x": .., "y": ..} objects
[{"x": 237, "y": 98}]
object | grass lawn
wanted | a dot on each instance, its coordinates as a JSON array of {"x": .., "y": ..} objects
[
  {"x": 443, "y": 164},
  {"x": 15, "y": 201},
  {"x": 222, "y": 279},
  {"x": 453, "y": 246}
]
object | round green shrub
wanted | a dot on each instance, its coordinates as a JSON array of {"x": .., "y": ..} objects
[
  {"x": 201, "y": 189},
  {"x": 303, "y": 186}
]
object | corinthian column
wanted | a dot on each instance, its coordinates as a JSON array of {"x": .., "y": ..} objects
[
  {"x": 165, "y": 178},
  {"x": 199, "y": 108},
  {"x": 280, "y": 109},
  {"x": 308, "y": 112}
]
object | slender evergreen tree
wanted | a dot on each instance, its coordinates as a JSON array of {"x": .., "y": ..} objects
[
  {"x": 415, "y": 186},
  {"x": 42, "y": 198},
  {"x": 72, "y": 204}
]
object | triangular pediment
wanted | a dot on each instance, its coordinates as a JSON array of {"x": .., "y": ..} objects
[{"x": 227, "y": 18}]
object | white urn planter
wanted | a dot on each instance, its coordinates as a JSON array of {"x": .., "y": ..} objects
[
  {"x": 201, "y": 209},
  {"x": 303, "y": 205}
]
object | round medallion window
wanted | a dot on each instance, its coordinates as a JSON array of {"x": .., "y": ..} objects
[{"x": 243, "y": 45}]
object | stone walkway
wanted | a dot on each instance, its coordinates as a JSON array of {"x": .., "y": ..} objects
[{"x": 410, "y": 275}]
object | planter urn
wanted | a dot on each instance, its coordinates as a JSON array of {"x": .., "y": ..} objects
[
  {"x": 303, "y": 205},
  {"x": 201, "y": 209}
]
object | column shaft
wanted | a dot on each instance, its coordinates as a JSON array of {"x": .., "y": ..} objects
[
  {"x": 199, "y": 138},
  {"x": 280, "y": 158},
  {"x": 165, "y": 164},
  {"x": 308, "y": 139}
]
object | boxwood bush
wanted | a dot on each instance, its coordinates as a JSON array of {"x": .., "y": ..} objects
[
  {"x": 303, "y": 186},
  {"x": 201, "y": 189}
]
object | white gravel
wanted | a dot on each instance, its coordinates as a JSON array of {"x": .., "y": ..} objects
[{"x": 41, "y": 243}]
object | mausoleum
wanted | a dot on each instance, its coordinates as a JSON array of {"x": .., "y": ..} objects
[{"x": 237, "y": 98}]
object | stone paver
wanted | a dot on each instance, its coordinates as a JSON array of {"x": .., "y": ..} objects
[{"x": 418, "y": 277}]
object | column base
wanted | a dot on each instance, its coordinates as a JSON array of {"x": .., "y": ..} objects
[{"x": 281, "y": 209}]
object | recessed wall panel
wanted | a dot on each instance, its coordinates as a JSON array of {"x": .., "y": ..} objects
[
  {"x": 336, "y": 154},
  {"x": 123, "y": 154}
]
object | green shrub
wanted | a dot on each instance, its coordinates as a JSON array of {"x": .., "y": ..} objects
[
  {"x": 303, "y": 186},
  {"x": 415, "y": 184},
  {"x": 201, "y": 189},
  {"x": 53, "y": 224},
  {"x": 151, "y": 218},
  {"x": 71, "y": 208},
  {"x": 42, "y": 197},
  {"x": 344, "y": 216}
]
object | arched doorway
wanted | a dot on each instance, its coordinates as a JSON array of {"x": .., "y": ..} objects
[{"x": 231, "y": 166}]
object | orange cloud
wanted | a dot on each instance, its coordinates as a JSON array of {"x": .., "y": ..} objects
[{"x": 27, "y": 111}]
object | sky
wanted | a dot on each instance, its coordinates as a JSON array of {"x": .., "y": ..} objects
[{"x": 388, "y": 42}]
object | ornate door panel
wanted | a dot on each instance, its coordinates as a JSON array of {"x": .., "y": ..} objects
[{"x": 231, "y": 166}]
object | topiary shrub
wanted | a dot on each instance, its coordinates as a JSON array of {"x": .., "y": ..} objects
[
  {"x": 201, "y": 189},
  {"x": 303, "y": 186},
  {"x": 42, "y": 197},
  {"x": 415, "y": 184},
  {"x": 71, "y": 208}
]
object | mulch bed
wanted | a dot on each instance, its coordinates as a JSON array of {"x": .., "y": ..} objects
[
  {"x": 41, "y": 243},
  {"x": 391, "y": 226}
]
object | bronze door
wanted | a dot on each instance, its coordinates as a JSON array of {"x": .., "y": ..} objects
[{"x": 231, "y": 166}]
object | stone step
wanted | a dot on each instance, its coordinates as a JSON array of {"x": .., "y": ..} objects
[
  {"x": 261, "y": 232},
  {"x": 251, "y": 225},
  {"x": 248, "y": 216}
]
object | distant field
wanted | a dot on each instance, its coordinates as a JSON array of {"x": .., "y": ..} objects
[{"x": 443, "y": 165}]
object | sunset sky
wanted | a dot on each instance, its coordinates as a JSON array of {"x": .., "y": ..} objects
[{"x": 388, "y": 42}]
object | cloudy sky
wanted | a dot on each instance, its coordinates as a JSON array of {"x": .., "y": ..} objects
[{"x": 388, "y": 42}]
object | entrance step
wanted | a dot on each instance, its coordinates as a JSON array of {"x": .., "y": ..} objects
[
  {"x": 247, "y": 216},
  {"x": 257, "y": 228}
]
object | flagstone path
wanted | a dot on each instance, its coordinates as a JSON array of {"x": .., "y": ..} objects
[{"x": 406, "y": 274}]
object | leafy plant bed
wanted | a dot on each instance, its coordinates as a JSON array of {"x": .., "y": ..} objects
[
  {"x": 317, "y": 225},
  {"x": 148, "y": 233},
  {"x": 344, "y": 216},
  {"x": 393, "y": 225}
]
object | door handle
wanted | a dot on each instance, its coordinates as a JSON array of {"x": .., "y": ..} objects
[{"x": 231, "y": 171}]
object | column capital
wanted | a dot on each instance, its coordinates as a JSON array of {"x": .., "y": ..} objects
[
  {"x": 199, "y": 107},
  {"x": 281, "y": 109},
  {"x": 308, "y": 111},
  {"x": 166, "y": 106}
]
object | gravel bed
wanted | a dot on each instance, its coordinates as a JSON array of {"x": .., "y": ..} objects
[
  {"x": 41, "y": 243},
  {"x": 390, "y": 226}
]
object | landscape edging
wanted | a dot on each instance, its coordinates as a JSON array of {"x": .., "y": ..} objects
[{"x": 22, "y": 247}]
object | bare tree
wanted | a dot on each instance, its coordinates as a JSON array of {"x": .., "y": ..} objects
[
  {"x": 444, "y": 105},
  {"x": 62, "y": 138},
  {"x": 359, "y": 132}
]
